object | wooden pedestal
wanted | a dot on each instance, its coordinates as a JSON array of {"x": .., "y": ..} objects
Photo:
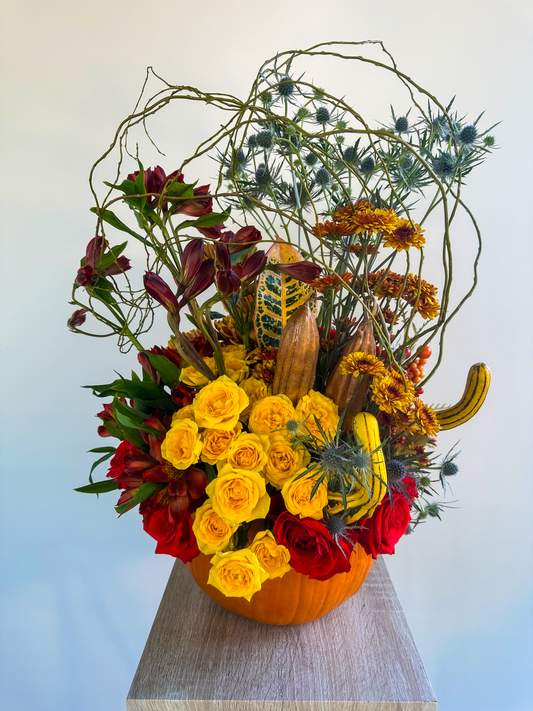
[{"x": 360, "y": 657}]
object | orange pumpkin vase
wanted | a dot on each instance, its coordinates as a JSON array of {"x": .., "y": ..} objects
[{"x": 293, "y": 599}]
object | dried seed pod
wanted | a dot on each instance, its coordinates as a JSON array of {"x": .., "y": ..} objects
[
  {"x": 342, "y": 388},
  {"x": 297, "y": 355}
]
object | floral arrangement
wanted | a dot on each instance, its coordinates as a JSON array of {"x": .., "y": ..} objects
[{"x": 283, "y": 424}]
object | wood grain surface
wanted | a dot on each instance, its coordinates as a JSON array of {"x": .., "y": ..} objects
[{"x": 360, "y": 657}]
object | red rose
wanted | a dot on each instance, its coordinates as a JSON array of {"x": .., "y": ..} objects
[
  {"x": 380, "y": 533},
  {"x": 173, "y": 538},
  {"x": 313, "y": 551}
]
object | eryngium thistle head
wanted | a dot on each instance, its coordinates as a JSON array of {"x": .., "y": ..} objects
[
  {"x": 468, "y": 134},
  {"x": 335, "y": 525},
  {"x": 401, "y": 124},
  {"x": 252, "y": 141},
  {"x": 489, "y": 141},
  {"x": 350, "y": 154},
  {"x": 449, "y": 469},
  {"x": 322, "y": 177},
  {"x": 433, "y": 510},
  {"x": 332, "y": 458},
  {"x": 292, "y": 426},
  {"x": 286, "y": 86},
  {"x": 311, "y": 159},
  {"x": 360, "y": 461},
  {"x": 322, "y": 115},
  {"x": 264, "y": 139},
  {"x": 396, "y": 471},
  {"x": 444, "y": 166},
  {"x": 262, "y": 175},
  {"x": 367, "y": 165}
]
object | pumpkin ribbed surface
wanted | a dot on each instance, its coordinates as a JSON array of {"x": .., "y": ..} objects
[{"x": 292, "y": 599}]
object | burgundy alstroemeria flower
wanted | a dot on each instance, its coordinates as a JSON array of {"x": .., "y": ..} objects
[
  {"x": 242, "y": 239},
  {"x": 156, "y": 181},
  {"x": 161, "y": 292},
  {"x": 227, "y": 280},
  {"x": 77, "y": 319},
  {"x": 94, "y": 254},
  {"x": 119, "y": 267},
  {"x": 251, "y": 266},
  {"x": 85, "y": 275},
  {"x": 303, "y": 271},
  {"x": 197, "y": 273}
]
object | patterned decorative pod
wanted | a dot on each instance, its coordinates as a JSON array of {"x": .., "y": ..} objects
[{"x": 292, "y": 599}]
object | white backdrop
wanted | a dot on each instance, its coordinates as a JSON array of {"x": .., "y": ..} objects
[{"x": 80, "y": 588}]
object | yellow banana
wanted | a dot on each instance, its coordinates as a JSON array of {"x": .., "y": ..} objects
[{"x": 477, "y": 387}]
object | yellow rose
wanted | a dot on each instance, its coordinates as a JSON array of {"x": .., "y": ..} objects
[
  {"x": 237, "y": 573},
  {"x": 237, "y": 352},
  {"x": 270, "y": 414},
  {"x": 284, "y": 460},
  {"x": 186, "y": 413},
  {"x": 182, "y": 444},
  {"x": 218, "y": 405},
  {"x": 193, "y": 378},
  {"x": 297, "y": 496},
  {"x": 238, "y": 495},
  {"x": 236, "y": 369},
  {"x": 256, "y": 390},
  {"x": 315, "y": 406},
  {"x": 273, "y": 557},
  {"x": 212, "y": 532},
  {"x": 248, "y": 451},
  {"x": 215, "y": 443}
]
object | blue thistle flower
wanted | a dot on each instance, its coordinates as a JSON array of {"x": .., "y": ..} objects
[
  {"x": 449, "y": 468},
  {"x": 322, "y": 115},
  {"x": 311, "y": 159},
  {"x": 262, "y": 175},
  {"x": 286, "y": 86},
  {"x": 322, "y": 177},
  {"x": 401, "y": 124},
  {"x": 252, "y": 141},
  {"x": 468, "y": 134},
  {"x": 368, "y": 165},
  {"x": 489, "y": 141},
  {"x": 396, "y": 471},
  {"x": 264, "y": 139},
  {"x": 350, "y": 154},
  {"x": 444, "y": 165}
]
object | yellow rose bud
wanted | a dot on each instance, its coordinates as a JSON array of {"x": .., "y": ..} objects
[
  {"x": 236, "y": 369},
  {"x": 315, "y": 406},
  {"x": 256, "y": 390},
  {"x": 237, "y": 573},
  {"x": 273, "y": 557},
  {"x": 182, "y": 444},
  {"x": 186, "y": 413},
  {"x": 297, "y": 496},
  {"x": 215, "y": 443},
  {"x": 248, "y": 451},
  {"x": 237, "y": 352},
  {"x": 284, "y": 460},
  {"x": 218, "y": 405},
  {"x": 238, "y": 495},
  {"x": 193, "y": 378},
  {"x": 212, "y": 532},
  {"x": 270, "y": 414}
]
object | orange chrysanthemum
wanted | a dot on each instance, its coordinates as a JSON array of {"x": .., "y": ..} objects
[
  {"x": 390, "y": 393},
  {"x": 390, "y": 317},
  {"x": 358, "y": 248},
  {"x": 426, "y": 418},
  {"x": 331, "y": 229},
  {"x": 343, "y": 214},
  {"x": 428, "y": 305},
  {"x": 359, "y": 363},
  {"x": 264, "y": 354},
  {"x": 405, "y": 235},
  {"x": 372, "y": 220},
  {"x": 332, "y": 281},
  {"x": 265, "y": 371}
]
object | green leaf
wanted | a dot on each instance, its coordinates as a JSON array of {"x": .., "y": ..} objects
[
  {"x": 126, "y": 186},
  {"x": 128, "y": 417},
  {"x": 132, "y": 434},
  {"x": 139, "y": 186},
  {"x": 211, "y": 471},
  {"x": 111, "y": 257},
  {"x": 166, "y": 369},
  {"x": 113, "y": 430},
  {"x": 112, "y": 219},
  {"x": 177, "y": 189},
  {"x": 98, "y": 450},
  {"x": 209, "y": 220},
  {"x": 103, "y": 458},
  {"x": 103, "y": 290},
  {"x": 144, "y": 492},
  {"x": 98, "y": 487}
]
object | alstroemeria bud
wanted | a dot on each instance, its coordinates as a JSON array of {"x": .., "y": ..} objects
[
  {"x": 303, "y": 271},
  {"x": 160, "y": 291},
  {"x": 202, "y": 280},
  {"x": 251, "y": 266},
  {"x": 223, "y": 260},
  {"x": 228, "y": 282},
  {"x": 95, "y": 250},
  {"x": 119, "y": 267},
  {"x": 245, "y": 237},
  {"x": 149, "y": 368},
  {"x": 193, "y": 256},
  {"x": 77, "y": 319},
  {"x": 85, "y": 275}
]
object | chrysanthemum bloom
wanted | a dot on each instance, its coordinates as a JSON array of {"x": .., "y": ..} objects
[
  {"x": 272, "y": 557},
  {"x": 330, "y": 229},
  {"x": 358, "y": 363},
  {"x": 390, "y": 393},
  {"x": 428, "y": 305},
  {"x": 405, "y": 235},
  {"x": 343, "y": 214},
  {"x": 357, "y": 248},
  {"x": 372, "y": 220},
  {"x": 390, "y": 317},
  {"x": 332, "y": 280},
  {"x": 426, "y": 419}
]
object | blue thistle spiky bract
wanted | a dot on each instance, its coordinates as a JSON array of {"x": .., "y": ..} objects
[
  {"x": 396, "y": 470},
  {"x": 401, "y": 124},
  {"x": 468, "y": 134},
  {"x": 361, "y": 461},
  {"x": 286, "y": 86}
]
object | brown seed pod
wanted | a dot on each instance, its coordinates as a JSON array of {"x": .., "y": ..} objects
[
  {"x": 345, "y": 390},
  {"x": 297, "y": 355}
]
